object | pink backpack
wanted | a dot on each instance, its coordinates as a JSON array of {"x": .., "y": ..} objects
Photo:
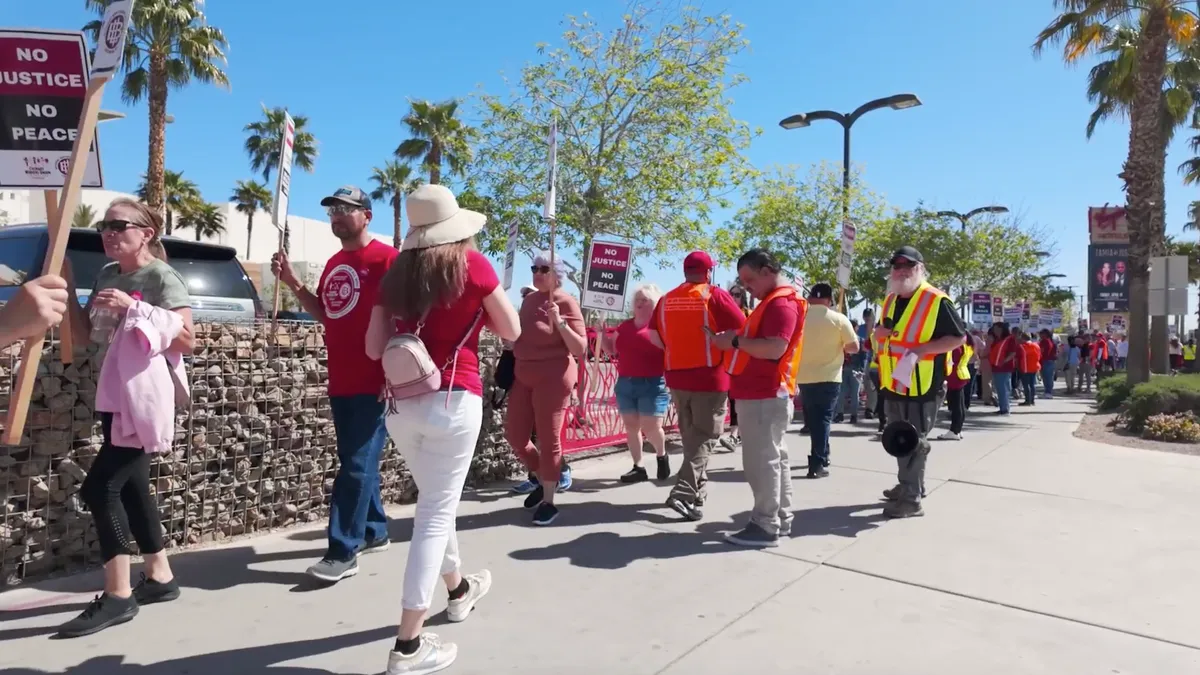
[{"x": 408, "y": 368}]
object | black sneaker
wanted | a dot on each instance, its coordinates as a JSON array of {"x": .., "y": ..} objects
[
  {"x": 535, "y": 497},
  {"x": 817, "y": 472},
  {"x": 753, "y": 536},
  {"x": 854, "y": 419},
  {"x": 149, "y": 591},
  {"x": 664, "y": 467},
  {"x": 804, "y": 430},
  {"x": 635, "y": 475},
  {"x": 103, "y": 612},
  {"x": 689, "y": 511},
  {"x": 838, "y": 419},
  {"x": 870, "y": 414},
  {"x": 545, "y": 514}
]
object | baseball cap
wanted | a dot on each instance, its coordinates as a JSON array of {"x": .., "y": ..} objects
[
  {"x": 698, "y": 260},
  {"x": 348, "y": 194},
  {"x": 908, "y": 253},
  {"x": 821, "y": 291}
]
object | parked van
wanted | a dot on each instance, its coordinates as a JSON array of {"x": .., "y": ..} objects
[{"x": 216, "y": 281}]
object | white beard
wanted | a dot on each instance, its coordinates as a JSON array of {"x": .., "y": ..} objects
[{"x": 905, "y": 287}]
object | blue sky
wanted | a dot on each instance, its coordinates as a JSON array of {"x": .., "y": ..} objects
[{"x": 997, "y": 125}]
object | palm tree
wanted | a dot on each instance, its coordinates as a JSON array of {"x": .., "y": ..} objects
[
  {"x": 178, "y": 193},
  {"x": 438, "y": 137},
  {"x": 265, "y": 140},
  {"x": 206, "y": 219},
  {"x": 169, "y": 46},
  {"x": 1163, "y": 26},
  {"x": 84, "y": 217},
  {"x": 251, "y": 197},
  {"x": 393, "y": 182}
]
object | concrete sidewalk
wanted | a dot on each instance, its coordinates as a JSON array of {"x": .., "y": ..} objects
[{"x": 1039, "y": 553}]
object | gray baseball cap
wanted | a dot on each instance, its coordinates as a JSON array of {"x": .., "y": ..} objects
[{"x": 348, "y": 194}]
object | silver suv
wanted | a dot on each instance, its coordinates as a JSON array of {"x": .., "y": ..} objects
[{"x": 220, "y": 290}]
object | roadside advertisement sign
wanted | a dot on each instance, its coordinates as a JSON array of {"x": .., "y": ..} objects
[
  {"x": 607, "y": 279},
  {"x": 43, "y": 86},
  {"x": 981, "y": 308},
  {"x": 1108, "y": 225},
  {"x": 1108, "y": 283}
]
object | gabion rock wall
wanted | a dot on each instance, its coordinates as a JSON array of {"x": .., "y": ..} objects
[{"x": 254, "y": 451}]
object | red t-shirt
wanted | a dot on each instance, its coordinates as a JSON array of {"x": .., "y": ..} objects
[
  {"x": 637, "y": 356},
  {"x": 445, "y": 327},
  {"x": 1000, "y": 351},
  {"x": 1049, "y": 350},
  {"x": 347, "y": 291},
  {"x": 760, "y": 380},
  {"x": 726, "y": 315}
]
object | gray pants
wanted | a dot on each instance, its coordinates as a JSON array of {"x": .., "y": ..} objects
[
  {"x": 701, "y": 423},
  {"x": 872, "y": 390},
  {"x": 1085, "y": 376},
  {"x": 910, "y": 472},
  {"x": 765, "y": 461}
]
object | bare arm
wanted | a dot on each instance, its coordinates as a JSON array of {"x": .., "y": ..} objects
[
  {"x": 655, "y": 339},
  {"x": 379, "y": 331},
  {"x": 185, "y": 342},
  {"x": 768, "y": 349},
  {"x": 310, "y": 302},
  {"x": 502, "y": 317}
]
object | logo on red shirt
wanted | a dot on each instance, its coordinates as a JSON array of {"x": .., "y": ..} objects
[{"x": 342, "y": 288}]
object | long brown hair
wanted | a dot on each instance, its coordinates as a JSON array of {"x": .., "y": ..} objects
[
  {"x": 423, "y": 278},
  {"x": 149, "y": 218}
]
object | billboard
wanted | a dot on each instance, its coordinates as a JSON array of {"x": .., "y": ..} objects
[
  {"x": 1108, "y": 280},
  {"x": 1107, "y": 225}
]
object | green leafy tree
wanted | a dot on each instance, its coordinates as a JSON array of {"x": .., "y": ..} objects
[
  {"x": 1163, "y": 26},
  {"x": 250, "y": 197},
  {"x": 264, "y": 141},
  {"x": 206, "y": 220},
  {"x": 177, "y": 194},
  {"x": 799, "y": 219},
  {"x": 393, "y": 181},
  {"x": 169, "y": 46},
  {"x": 647, "y": 145},
  {"x": 84, "y": 216},
  {"x": 438, "y": 138}
]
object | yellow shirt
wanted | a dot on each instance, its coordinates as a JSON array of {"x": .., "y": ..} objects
[{"x": 826, "y": 333}]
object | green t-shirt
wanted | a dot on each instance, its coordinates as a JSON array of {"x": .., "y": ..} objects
[{"x": 158, "y": 282}]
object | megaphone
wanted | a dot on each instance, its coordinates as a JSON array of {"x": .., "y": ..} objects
[{"x": 900, "y": 438}]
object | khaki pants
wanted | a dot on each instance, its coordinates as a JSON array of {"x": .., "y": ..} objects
[
  {"x": 765, "y": 462},
  {"x": 701, "y": 422},
  {"x": 985, "y": 382}
]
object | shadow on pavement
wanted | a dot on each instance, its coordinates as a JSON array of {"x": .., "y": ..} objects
[{"x": 258, "y": 659}]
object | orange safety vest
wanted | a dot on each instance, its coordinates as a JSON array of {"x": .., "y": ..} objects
[
  {"x": 914, "y": 327},
  {"x": 1032, "y": 360},
  {"x": 1100, "y": 353},
  {"x": 682, "y": 315},
  {"x": 788, "y": 364}
]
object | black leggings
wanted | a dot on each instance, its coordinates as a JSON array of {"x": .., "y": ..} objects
[
  {"x": 117, "y": 491},
  {"x": 957, "y": 399}
]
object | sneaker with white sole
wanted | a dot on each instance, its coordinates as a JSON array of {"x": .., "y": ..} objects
[
  {"x": 478, "y": 585},
  {"x": 950, "y": 436},
  {"x": 331, "y": 571},
  {"x": 431, "y": 656}
]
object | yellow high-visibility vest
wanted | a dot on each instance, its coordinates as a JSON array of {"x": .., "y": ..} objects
[
  {"x": 964, "y": 373},
  {"x": 914, "y": 327},
  {"x": 1189, "y": 352}
]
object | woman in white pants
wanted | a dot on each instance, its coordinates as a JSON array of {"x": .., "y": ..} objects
[{"x": 445, "y": 291}]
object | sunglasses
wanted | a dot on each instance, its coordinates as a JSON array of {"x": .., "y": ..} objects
[
  {"x": 342, "y": 209},
  {"x": 115, "y": 225},
  {"x": 904, "y": 265},
  {"x": 540, "y": 269}
]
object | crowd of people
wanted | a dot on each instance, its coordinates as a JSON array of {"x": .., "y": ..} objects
[{"x": 402, "y": 329}]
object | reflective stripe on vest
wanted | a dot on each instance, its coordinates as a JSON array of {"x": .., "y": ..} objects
[
  {"x": 788, "y": 364},
  {"x": 964, "y": 373},
  {"x": 687, "y": 346},
  {"x": 915, "y": 327}
]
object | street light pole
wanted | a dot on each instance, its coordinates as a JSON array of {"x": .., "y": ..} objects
[{"x": 964, "y": 218}]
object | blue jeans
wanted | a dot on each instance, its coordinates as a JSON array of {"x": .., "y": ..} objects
[
  {"x": 818, "y": 400},
  {"x": 848, "y": 398},
  {"x": 356, "y": 510},
  {"x": 1002, "y": 383},
  {"x": 1029, "y": 385},
  {"x": 1048, "y": 369}
]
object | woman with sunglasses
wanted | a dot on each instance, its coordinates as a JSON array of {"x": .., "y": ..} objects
[
  {"x": 117, "y": 488},
  {"x": 553, "y": 337}
]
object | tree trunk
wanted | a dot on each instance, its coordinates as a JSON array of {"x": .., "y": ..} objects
[
  {"x": 158, "y": 131},
  {"x": 169, "y": 221},
  {"x": 396, "y": 219},
  {"x": 199, "y": 232},
  {"x": 435, "y": 163},
  {"x": 1141, "y": 168},
  {"x": 249, "y": 233}
]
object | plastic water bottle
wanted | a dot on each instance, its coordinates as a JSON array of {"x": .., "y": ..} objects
[{"x": 105, "y": 321}]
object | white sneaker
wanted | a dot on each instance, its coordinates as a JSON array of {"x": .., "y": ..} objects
[
  {"x": 478, "y": 586},
  {"x": 950, "y": 436},
  {"x": 433, "y": 655}
]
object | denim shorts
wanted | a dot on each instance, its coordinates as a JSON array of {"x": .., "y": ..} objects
[{"x": 642, "y": 395}]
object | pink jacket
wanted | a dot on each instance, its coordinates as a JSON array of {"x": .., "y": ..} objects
[{"x": 138, "y": 387}]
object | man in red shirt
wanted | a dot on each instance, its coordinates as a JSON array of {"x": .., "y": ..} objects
[
  {"x": 684, "y": 323},
  {"x": 342, "y": 303},
  {"x": 764, "y": 360},
  {"x": 1049, "y": 362}
]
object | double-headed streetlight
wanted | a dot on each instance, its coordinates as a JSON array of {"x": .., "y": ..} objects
[
  {"x": 896, "y": 102},
  {"x": 964, "y": 218}
]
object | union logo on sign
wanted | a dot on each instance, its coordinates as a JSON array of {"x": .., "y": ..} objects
[
  {"x": 63, "y": 165},
  {"x": 114, "y": 30}
]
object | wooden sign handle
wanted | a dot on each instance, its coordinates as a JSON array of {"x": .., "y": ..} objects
[
  {"x": 275, "y": 302},
  {"x": 66, "y": 341},
  {"x": 60, "y": 230}
]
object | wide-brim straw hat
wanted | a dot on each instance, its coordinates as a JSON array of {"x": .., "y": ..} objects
[{"x": 435, "y": 218}]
